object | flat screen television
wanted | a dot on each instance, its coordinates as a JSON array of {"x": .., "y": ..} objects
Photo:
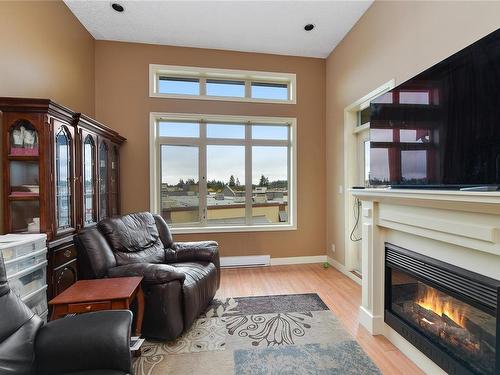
[{"x": 441, "y": 129}]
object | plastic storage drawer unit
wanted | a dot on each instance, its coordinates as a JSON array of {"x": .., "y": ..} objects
[
  {"x": 23, "y": 262},
  {"x": 44, "y": 316},
  {"x": 29, "y": 280},
  {"x": 37, "y": 301},
  {"x": 17, "y": 245}
]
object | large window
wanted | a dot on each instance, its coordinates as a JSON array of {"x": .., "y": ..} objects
[
  {"x": 180, "y": 82},
  {"x": 223, "y": 173}
]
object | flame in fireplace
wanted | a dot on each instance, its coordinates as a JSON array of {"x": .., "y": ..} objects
[{"x": 431, "y": 300}]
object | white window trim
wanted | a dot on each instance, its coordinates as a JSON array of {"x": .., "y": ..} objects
[
  {"x": 351, "y": 132},
  {"x": 203, "y": 74},
  {"x": 154, "y": 168}
]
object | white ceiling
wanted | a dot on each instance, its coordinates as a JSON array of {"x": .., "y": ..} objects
[{"x": 253, "y": 26}]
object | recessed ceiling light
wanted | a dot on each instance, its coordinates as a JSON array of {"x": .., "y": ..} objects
[
  {"x": 119, "y": 8},
  {"x": 309, "y": 27}
]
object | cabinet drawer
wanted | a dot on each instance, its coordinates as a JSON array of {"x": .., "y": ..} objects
[
  {"x": 88, "y": 307},
  {"x": 64, "y": 255}
]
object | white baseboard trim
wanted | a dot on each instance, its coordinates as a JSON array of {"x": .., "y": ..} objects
[
  {"x": 298, "y": 260},
  {"x": 266, "y": 260},
  {"x": 340, "y": 267},
  {"x": 373, "y": 323}
]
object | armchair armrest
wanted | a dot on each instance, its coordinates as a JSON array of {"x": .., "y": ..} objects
[
  {"x": 207, "y": 251},
  {"x": 152, "y": 273},
  {"x": 92, "y": 341}
]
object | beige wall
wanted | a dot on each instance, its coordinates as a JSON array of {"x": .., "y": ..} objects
[
  {"x": 122, "y": 102},
  {"x": 45, "y": 53},
  {"x": 392, "y": 40}
]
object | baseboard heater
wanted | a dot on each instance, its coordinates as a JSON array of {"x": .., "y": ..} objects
[{"x": 246, "y": 261}]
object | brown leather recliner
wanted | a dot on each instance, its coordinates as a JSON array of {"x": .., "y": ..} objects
[{"x": 180, "y": 278}]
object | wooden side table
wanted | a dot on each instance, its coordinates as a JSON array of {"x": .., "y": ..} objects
[{"x": 101, "y": 294}]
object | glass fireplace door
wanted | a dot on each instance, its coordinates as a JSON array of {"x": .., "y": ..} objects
[
  {"x": 447, "y": 312},
  {"x": 464, "y": 331}
]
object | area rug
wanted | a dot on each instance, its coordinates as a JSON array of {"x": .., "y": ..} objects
[{"x": 278, "y": 335}]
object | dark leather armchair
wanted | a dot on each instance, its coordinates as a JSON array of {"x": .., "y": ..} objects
[
  {"x": 72, "y": 345},
  {"x": 180, "y": 279}
]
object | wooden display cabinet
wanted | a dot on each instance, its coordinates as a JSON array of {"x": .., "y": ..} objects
[{"x": 60, "y": 174}]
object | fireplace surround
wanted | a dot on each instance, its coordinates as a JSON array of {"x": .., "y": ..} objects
[
  {"x": 450, "y": 314},
  {"x": 460, "y": 228}
]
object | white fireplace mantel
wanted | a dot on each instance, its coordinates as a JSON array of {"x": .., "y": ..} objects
[{"x": 457, "y": 227}]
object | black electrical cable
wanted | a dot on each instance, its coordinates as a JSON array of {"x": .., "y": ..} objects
[{"x": 356, "y": 209}]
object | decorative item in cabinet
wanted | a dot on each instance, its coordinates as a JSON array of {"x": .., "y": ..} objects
[{"x": 23, "y": 139}]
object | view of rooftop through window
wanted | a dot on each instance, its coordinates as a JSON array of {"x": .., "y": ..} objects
[{"x": 228, "y": 193}]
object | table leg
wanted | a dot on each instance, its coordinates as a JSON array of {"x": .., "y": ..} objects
[{"x": 140, "y": 312}]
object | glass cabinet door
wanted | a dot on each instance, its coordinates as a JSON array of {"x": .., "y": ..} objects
[
  {"x": 103, "y": 180},
  {"x": 114, "y": 182},
  {"x": 23, "y": 185},
  {"x": 63, "y": 177},
  {"x": 89, "y": 209}
]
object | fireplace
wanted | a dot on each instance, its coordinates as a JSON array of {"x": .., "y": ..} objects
[{"x": 448, "y": 313}]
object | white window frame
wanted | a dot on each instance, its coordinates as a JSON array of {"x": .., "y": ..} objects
[
  {"x": 248, "y": 76},
  {"x": 155, "y": 164},
  {"x": 351, "y": 163}
]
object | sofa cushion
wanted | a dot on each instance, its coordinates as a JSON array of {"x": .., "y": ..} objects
[
  {"x": 133, "y": 238},
  {"x": 198, "y": 288}
]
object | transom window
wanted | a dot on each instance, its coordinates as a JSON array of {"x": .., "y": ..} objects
[
  {"x": 221, "y": 84},
  {"x": 223, "y": 173}
]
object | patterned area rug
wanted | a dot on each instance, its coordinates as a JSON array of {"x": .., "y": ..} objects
[{"x": 287, "y": 334}]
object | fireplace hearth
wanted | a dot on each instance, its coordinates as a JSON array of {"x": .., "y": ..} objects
[{"x": 448, "y": 313}]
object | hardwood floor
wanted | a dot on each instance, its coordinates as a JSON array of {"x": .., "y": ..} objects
[{"x": 341, "y": 294}]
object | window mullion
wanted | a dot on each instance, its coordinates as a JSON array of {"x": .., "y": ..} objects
[
  {"x": 203, "y": 86},
  {"x": 290, "y": 177},
  {"x": 202, "y": 165},
  {"x": 248, "y": 88},
  {"x": 158, "y": 204},
  {"x": 248, "y": 174}
]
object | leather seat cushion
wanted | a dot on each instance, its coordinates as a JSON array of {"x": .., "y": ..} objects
[{"x": 198, "y": 288}]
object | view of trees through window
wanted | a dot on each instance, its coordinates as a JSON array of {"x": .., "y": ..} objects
[{"x": 214, "y": 190}]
